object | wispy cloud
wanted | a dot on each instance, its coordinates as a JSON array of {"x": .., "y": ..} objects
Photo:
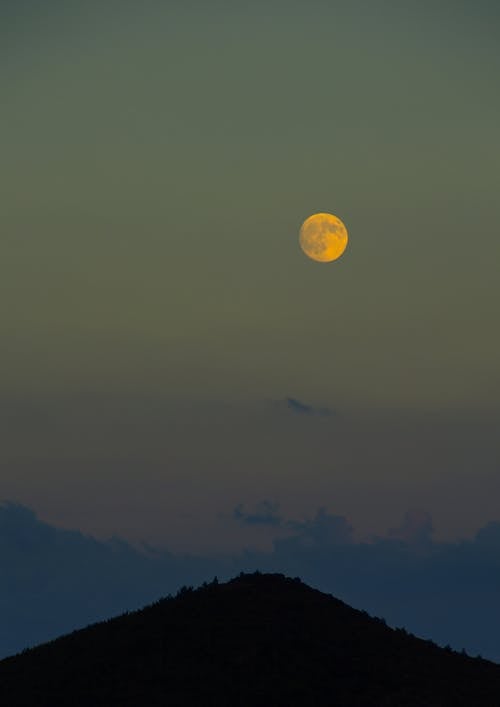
[{"x": 302, "y": 408}]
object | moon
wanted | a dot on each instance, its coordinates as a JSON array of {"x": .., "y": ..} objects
[{"x": 323, "y": 237}]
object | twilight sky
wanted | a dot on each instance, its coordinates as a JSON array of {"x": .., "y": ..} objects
[{"x": 157, "y": 313}]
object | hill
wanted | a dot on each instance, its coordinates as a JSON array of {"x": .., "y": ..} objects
[{"x": 257, "y": 640}]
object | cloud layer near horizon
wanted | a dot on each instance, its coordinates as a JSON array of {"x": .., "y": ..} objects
[
  {"x": 56, "y": 580},
  {"x": 160, "y": 469}
]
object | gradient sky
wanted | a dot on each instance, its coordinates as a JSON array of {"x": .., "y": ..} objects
[{"x": 156, "y": 311}]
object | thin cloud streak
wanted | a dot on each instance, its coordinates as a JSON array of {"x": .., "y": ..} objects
[{"x": 301, "y": 408}]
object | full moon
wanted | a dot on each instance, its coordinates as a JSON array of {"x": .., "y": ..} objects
[{"x": 323, "y": 237}]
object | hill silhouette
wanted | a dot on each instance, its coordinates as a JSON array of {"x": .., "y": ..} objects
[{"x": 260, "y": 639}]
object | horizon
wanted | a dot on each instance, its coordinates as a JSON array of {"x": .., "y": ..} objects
[{"x": 442, "y": 591}]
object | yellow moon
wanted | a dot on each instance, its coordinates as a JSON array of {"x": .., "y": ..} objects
[{"x": 323, "y": 237}]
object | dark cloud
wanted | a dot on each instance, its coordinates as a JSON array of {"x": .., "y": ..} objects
[
  {"x": 55, "y": 580},
  {"x": 488, "y": 537},
  {"x": 323, "y": 530},
  {"x": 303, "y": 409},
  {"x": 265, "y": 513},
  {"x": 299, "y": 407},
  {"x": 416, "y": 528}
]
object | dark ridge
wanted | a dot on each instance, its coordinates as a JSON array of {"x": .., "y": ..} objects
[{"x": 260, "y": 639}]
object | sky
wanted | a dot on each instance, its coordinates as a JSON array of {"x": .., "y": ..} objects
[{"x": 168, "y": 353}]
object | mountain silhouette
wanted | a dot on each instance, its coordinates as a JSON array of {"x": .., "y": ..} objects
[{"x": 260, "y": 639}]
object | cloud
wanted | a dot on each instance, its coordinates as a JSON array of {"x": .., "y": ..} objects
[
  {"x": 265, "y": 513},
  {"x": 323, "y": 530},
  {"x": 488, "y": 537},
  {"x": 56, "y": 580},
  {"x": 416, "y": 528},
  {"x": 301, "y": 408},
  {"x": 297, "y": 406}
]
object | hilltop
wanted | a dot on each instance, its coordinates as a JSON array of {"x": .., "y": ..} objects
[{"x": 260, "y": 639}]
